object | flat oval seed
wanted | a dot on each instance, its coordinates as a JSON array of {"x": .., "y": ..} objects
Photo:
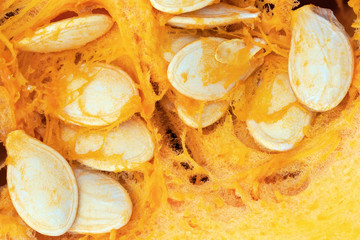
[
  {"x": 103, "y": 203},
  {"x": 185, "y": 71},
  {"x": 66, "y": 34},
  {"x": 42, "y": 185},
  {"x": 289, "y": 130},
  {"x": 216, "y": 15},
  {"x": 195, "y": 72},
  {"x": 321, "y": 61},
  {"x": 212, "y": 112},
  {"x": 99, "y": 96},
  {"x": 177, "y": 7},
  {"x": 124, "y": 147}
]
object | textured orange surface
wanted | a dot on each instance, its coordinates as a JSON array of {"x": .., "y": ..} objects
[{"x": 212, "y": 183}]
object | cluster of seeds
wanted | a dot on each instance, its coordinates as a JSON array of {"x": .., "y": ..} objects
[
  {"x": 50, "y": 196},
  {"x": 206, "y": 69}
]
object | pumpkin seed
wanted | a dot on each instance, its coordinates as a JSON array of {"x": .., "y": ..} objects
[
  {"x": 195, "y": 72},
  {"x": 41, "y": 184},
  {"x": 124, "y": 147},
  {"x": 211, "y": 112},
  {"x": 70, "y": 33},
  {"x": 321, "y": 61},
  {"x": 216, "y": 15},
  {"x": 103, "y": 203},
  {"x": 285, "y": 133},
  {"x": 99, "y": 95},
  {"x": 177, "y": 7}
]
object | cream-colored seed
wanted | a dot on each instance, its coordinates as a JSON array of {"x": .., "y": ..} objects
[
  {"x": 180, "y": 6},
  {"x": 284, "y": 134},
  {"x": 66, "y": 34},
  {"x": 185, "y": 72},
  {"x": 98, "y": 96},
  {"x": 216, "y": 15},
  {"x": 103, "y": 203},
  {"x": 190, "y": 67},
  {"x": 41, "y": 184},
  {"x": 124, "y": 147},
  {"x": 321, "y": 61},
  {"x": 211, "y": 112}
]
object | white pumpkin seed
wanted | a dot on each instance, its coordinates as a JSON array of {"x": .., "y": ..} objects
[
  {"x": 321, "y": 61},
  {"x": 70, "y": 33},
  {"x": 216, "y": 15},
  {"x": 177, "y": 7},
  {"x": 124, "y": 147},
  {"x": 212, "y": 112},
  {"x": 103, "y": 203},
  {"x": 285, "y": 133},
  {"x": 99, "y": 95},
  {"x": 41, "y": 184},
  {"x": 195, "y": 72}
]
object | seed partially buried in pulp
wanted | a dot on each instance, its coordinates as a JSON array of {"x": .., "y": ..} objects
[
  {"x": 99, "y": 95},
  {"x": 228, "y": 50},
  {"x": 288, "y": 130},
  {"x": 321, "y": 60},
  {"x": 196, "y": 73},
  {"x": 211, "y": 112},
  {"x": 177, "y": 7},
  {"x": 216, "y": 15},
  {"x": 41, "y": 184},
  {"x": 178, "y": 43},
  {"x": 70, "y": 33},
  {"x": 124, "y": 147},
  {"x": 103, "y": 203}
]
